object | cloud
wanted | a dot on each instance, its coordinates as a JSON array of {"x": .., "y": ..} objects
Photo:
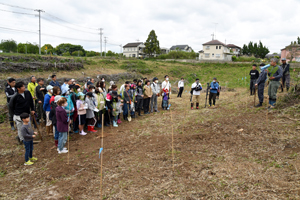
[{"x": 175, "y": 22}]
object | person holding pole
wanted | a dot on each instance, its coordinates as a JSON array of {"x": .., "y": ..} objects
[
  {"x": 275, "y": 74},
  {"x": 260, "y": 84},
  {"x": 254, "y": 74},
  {"x": 214, "y": 87},
  {"x": 286, "y": 75}
]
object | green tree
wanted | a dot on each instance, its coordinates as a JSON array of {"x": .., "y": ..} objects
[
  {"x": 66, "y": 47},
  {"x": 152, "y": 44},
  {"x": 48, "y": 50},
  {"x": 28, "y": 48},
  {"x": 245, "y": 50},
  {"x": 298, "y": 40},
  {"x": 257, "y": 50},
  {"x": 8, "y": 46}
]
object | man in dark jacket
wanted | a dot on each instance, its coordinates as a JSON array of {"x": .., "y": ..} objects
[
  {"x": 254, "y": 74},
  {"x": 286, "y": 75},
  {"x": 260, "y": 83},
  {"x": 275, "y": 74},
  {"x": 10, "y": 91},
  {"x": 22, "y": 102},
  {"x": 54, "y": 82},
  {"x": 40, "y": 92}
]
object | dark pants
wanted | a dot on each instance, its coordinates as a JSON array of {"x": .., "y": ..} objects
[
  {"x": 40, "y": 112},
  {"x": 285, "y": 81},
  {"x": 180, "y": 91},
  {"x": 261, "y": 88},
  {"x": 146, "y": 104},
  {"x": 212, "y": 96},
  {"x": 252, "y": 86},
  {"x": 75, "y": 124},
  {"x": 28, "y": 149}
]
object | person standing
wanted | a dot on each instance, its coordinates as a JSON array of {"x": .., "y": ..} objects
[
  {"x": 275, "y": 74},
  {"x": 214, "y": 87},
  {"x": 10, "y": 91},
  {"x": 166, "y": 85},
  {"x": 139, "y": 97},
  {"x": 47, "y": 109},
  {"x": 155, "y": 90},
  {"x": 254, "y": 74},
  {"x": 31, "y": 87},
  {"x": 286, "y": 75},
  {"x": 62, "y": 123},
  {"x": 40, "y": 92},
  {"x": 195, "y": 91},
  {"x": 20, "y": 103},
  {"x": 260, "y": 83},
  {"x": 180, "y": 87},
  {"x": 147, "y": 95},
  {"x": 54, "y": 82}
]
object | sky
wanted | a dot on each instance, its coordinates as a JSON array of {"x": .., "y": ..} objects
[{"x": 275, "y": 23}]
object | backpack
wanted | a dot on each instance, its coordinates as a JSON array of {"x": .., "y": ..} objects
[{"x": 198, "y": 87}]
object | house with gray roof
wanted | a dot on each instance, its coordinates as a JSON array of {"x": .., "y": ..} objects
[
  {"x": 215, "y": 50},
  {"x": 134, "y": 50},
  {"x": 185, "y": 48}
]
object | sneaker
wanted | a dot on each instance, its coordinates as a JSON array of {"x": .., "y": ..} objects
[
  {"x": 33, "y": 159},
  {"x": 197, "y": 108},
  {"x": 13, "y": 128},
  {"x": 76, "y": 131},
  {"x": 63, "y": 151},
  {"x": 156, "y": 111},
  {"x": 28, "y": 163},
  {"x": 63, "y": 148},
  {"x": 258, "y": 105},
  {"x": 192, "y": 108},
  {"x": 82, "y": 133}
]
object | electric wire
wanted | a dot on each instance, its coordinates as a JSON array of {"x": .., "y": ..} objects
[
  {"x": 17, "y": 12},
  {"x": 17, "y": 6}
]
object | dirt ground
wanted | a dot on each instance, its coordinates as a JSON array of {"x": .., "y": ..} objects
[{"x": 234, "y": 151}]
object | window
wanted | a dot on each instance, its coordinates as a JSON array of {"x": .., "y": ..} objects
[
  {"x": 212, "y": 55},
  {"x": 218, "y": 55},
  {"x": 129, "y": 55},
  {"x": 133, "y": 55},
  {"x": 219, "y": 47},
  {"x": 216, "y": 47},
  {"x": 207, "y": 55},
  {"x": 207, "y": 48}
]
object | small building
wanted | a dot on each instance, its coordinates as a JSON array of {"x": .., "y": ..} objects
[
  {"x": 236, "y": 50},
  {"x": 291, "y": 50},
  {"x": 134, "y": 50},
  {"x": 185, "y": 48},
  {"x": 215, "y": 50},
  {"x": 164, "y": 50}
]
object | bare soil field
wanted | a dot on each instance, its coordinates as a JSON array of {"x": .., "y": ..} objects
[{"x": 234, "y": 151}]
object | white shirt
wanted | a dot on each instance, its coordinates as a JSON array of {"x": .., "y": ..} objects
[
  {"x": 166, "y": 85},
  {"x": 194, "y": 85},
  {"x": 180, "y": 84}
]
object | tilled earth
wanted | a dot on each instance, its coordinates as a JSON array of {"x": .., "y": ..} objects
[{"x": 234, "y": 151}]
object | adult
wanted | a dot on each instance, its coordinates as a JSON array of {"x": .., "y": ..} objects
[
  {"x": 74, "y": 98},
  {"x": 147, "y": 95},
  {"x": 47, "y": 109},
  {"x": 93, "y": 81},
  {"x": 20, "y": 103},
  {"x": 155, "y": 90},
  {"x": 122, "y": 88},
  {"x": 260, "y": 83},
  {"x": 254, "y": 74},
  {"x": 40, "y": 92},
  {"x": 166, "y": 85},
  {"x": 275, "y": 74},
  {"x": 214, "y": 87},
  {"x": 180, "y": 87},
  {"x": 139, "y": 97},
  {"x": 10, "y": 91},
  {"x": 195, "y": 91},
  {"x": 65, "y": 86},
  {"x": 54, "y": 82},
  {"x": 31, "y": 87},
  {"x": 286, "y": 75}
]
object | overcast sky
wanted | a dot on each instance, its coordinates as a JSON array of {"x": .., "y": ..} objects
[{"x": 276, "y": 23}]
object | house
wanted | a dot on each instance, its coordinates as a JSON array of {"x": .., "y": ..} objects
[
  {"x": 185, "y": 48},
  {"x": 215, "y": 50},
  {"x": 134, "y": 50},
  {"x": 291, "y": 50},
  {"x": 164, "y": 50},
  {"x": 236, "y": 50}
]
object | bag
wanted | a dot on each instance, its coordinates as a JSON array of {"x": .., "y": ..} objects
[{"x": 198, "y": 88}]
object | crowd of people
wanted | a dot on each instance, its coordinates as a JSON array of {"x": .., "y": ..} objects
[{"x": 75, "y": 108}]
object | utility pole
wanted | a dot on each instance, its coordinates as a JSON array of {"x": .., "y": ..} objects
[
  {"x": 105, "y": 41},
  {"x": 101, "y": 29},
  {"x": 215, "y": 33},
  {"x": 39, "y": 29},
  {"x": 120, "y": 48}
]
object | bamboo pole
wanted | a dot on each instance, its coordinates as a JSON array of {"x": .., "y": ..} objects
[
  {"x": 69, "y": 140},
  {"x": 172, "y": 140},
  {"x": 101, "y": 157}
]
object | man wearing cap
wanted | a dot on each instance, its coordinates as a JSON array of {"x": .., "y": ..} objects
[
  {"x": 260, "y": 83},
  {"x": 254, "y": 74},
  {"x": 47, "y": 109},
  {"x": 214, "y": 87},
  {"x": 275, "y": 74},
  {"x": 10, "y": 91},
  {"x": 54, "y": 82},
  {"x": 155, "y": 90},
  {"x": 20, "y": 103},
  {"x": 286, "y": 75}
]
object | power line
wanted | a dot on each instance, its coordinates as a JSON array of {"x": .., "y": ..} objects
[
  {"x": 19, "y": 30},
  {"x": 17, "y": 12},
  {"x": 16, "y": 6}
]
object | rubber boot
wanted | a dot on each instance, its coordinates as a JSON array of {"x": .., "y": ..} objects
[
  {"x": 89, "y": 128},
  {"x": 51, "y": 129},
  {"x": 98, "y": 125},
  {"x": 259, "y": 105},
  {"x": 197, "y": 105},
  {"x": 192, "y": 106},
  {"x": 93, "y": 130},
  {"x": 56, "y": 142},
  {"x": 140, "y": 112},
  {"x": 115, "y": 124},
  {"x": 119, "y": 121}
]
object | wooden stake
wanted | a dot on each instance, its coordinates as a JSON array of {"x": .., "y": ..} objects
[
  {"x": 69, "y": 140},
  {"x": 254, "y": 95},
  {"x": 101, "y": 158},
  {"x": 172, "y": 140},
  {"x": 39, "y": 132}
]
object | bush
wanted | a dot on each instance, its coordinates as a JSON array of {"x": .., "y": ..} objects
[
  {"x": 234, "y": 58},
  {"x": 136, "y": 66},
  {"x": 66, "y": 54},
  {"x": 75, "y": 53}
]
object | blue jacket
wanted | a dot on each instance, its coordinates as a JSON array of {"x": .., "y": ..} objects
[
  {"x": 56, "y": 83},
  {"x": 46, "y": 106},
  {"x": 214, "y": 87}
]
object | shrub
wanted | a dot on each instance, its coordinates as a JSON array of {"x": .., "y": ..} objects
[{"x": 234, "y": 58}]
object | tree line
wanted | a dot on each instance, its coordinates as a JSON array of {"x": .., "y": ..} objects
[{"x": 256, "y": 50}]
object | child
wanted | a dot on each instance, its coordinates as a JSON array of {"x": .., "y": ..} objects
[
  {"x": 139, "y": 97},
  {"x": 52, "y": 117},
  {"x": 28, "y": 136},
  {"x": 165, "y": 99},
  {"x": 127, "y": 102},
  {"x": 120, "y": 107},
  {"x": 62, "y": 123},
  {"x": 81, "y": 113},
  {"x": 90, "y": 116},
  {"x": 115, "y": 108}
]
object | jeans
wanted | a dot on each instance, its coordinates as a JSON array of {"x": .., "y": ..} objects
[
  {"x": 62, "y": 140},
  {"x": 260, "y": 92},
  {"x": 56, "y": 134},
  {"x": 153, "y": 102},
  {"x": 125, "y": 109},
  {"x": 28, "y": 149},
  {"x": 252, "y": 86}
]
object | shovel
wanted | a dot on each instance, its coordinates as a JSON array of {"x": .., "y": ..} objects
[{"x": 129, "y": 117}]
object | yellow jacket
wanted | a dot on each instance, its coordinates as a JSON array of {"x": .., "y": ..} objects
[{"x": 31, "y": 88}]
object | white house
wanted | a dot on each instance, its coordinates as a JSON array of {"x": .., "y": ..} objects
[
  {"x": 236, "y": 50},
  {"x": 185, "y": 48},
  {"x": 134, "y": 50},
  {"x": 215, "y": 50}
]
